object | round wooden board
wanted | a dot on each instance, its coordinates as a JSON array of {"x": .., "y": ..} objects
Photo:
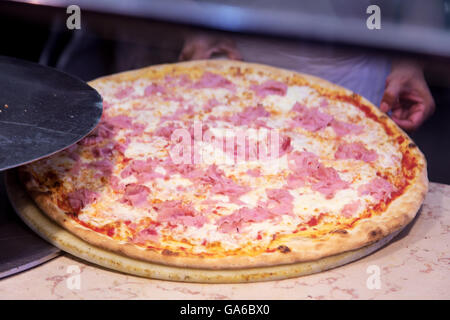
[{"x": 59, "y": 237}]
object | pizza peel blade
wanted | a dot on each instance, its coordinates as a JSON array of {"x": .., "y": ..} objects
[
  {"x": 42, "y": 111},
  {"x": 20, "y": 247}
]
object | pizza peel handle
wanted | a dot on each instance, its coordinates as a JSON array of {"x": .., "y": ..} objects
[{"x": 42, "y": 111}]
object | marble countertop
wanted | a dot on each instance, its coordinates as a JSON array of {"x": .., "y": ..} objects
[{"x": 415, "y": 265}]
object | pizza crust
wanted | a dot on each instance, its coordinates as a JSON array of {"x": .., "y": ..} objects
[{"x": 399, "y": 213}]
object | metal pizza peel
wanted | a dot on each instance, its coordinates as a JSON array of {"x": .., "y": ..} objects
[{"x": 42, "y": 111}]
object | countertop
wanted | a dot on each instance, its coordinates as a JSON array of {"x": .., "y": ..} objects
[{"x": 415, "y": 265}]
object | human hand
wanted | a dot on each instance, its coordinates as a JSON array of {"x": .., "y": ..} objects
[
  {"x": 198, "y": 47},
  {"x": 407, "y": 95}
]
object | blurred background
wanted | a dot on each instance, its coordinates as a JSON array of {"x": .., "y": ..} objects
[{"x": 327, "y": 38}]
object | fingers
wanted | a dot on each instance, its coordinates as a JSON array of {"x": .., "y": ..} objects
[
  {"x": 391, "y": 94},
  {"x": 194, "y": 52},
  {"x": 410, "y": 119},
  {"x": 229, "y": 49},
  {"x": 203, "y": 47}
]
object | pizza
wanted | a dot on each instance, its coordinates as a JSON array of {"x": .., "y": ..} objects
[{"x": 228, "y": 165}]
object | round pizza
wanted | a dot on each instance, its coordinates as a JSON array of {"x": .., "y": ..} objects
[{"x": 225, "y": 164}]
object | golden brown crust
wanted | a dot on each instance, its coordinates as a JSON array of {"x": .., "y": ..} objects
[{"x": 295, "y": 249}]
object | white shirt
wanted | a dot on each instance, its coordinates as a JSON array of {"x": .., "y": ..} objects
[{"x": 360, "y": 71}]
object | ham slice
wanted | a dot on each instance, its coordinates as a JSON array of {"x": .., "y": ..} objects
[
  {"x": 153, "y": 89},
  {"x": 379, "y": 188},
  {"x": 177, "y": 81},
  {"x": 115, "y": 184},
  {"x": 310, "y": 119},
  {"x": 249, "y": 115},
  {"x": 180, "y": 112},
  {"x": 307, "y": 168},
  {"x": 78, "y": 199},
  {"x": 105, "y": 130},
  {"x": 280, "y": 202},
  {"x": 350, "y": 208},
  {"x": 102, "y": 152},
  {"x": 210, "y": 104},
  {"x": 269, "y": 87},
  {"x": 90, "y": 140},
  {"x": 303, "y": 164},
  {"x": 328, "y": 181},
  {"x": 123, "y": 93},
  {"x": 222, "y": 184},
  {"x": 342, "y": 128},
  {"x": 73, "y": 153},
  {"x": 135, "y": 195},
  {"x": 175, "y": 213},
  {"x": 237, "y": 220},
  {"x": 355, "y": 150},
  {"x": 285, "y": 145},
  {"x": 119, "y": 122},
  {"x": 143, "y": 170},
  {"x": 295, "y": 181},
  {"x": 166, "y": 131},
  {"x": 103, "y": 167},
  {"x": 254, "y": 172},
  {"x": 122, "y": 145},
  {"x": 148, "y": 234},
  {"x": 213, "y": 81}
]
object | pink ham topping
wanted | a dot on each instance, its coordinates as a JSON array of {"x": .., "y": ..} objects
[
  {"x": 269, "y": 87},
  {"x": 102, "y": 152},
  {"x": 78, "y": 199},
  {"x": 303, "y": 164},
  {"x": 211, "y": 104},
  {"x": 103, "y": 167},
  {"x": 355, "y": 150},
  {"x": 254, "y": 172},
  {"x": 310, "y": 119},
  {"x": 105, "y": 130},
  {"x": 180, "y": 112},
  {"x": 237, "y": 220},
  {"x": 342, "y": 128},
  {"x": 166, "y": 131},
  {"x": 177, "y": 81},
  {"x": 307, "y": 168},
  {"x": 328, "y": 181},
  {"x": 174, "y": 213},
  {"x": 213, "y": 176},
  {"x": 124, "y": 92},
  {"x": 280, "y": 201},
  {"x": 249, "y": 115},
  {"x": 135, "y": 195},
  {"x": 120, "y": 122},
  {"x": 222, "y": 184},
  {"x": 379, "y": 188},
  {"x": 148, "y": 234},
  {"x": 350, "y": 208},
  {"x": 143, "y": 170},
  {"x": 213, "y": 81},
  {"x": 154, "y": 89},
  {"x": 285, "y": 145},
  {"x": 72, "y": 152},
  {"x": 115, "y": 184}
]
